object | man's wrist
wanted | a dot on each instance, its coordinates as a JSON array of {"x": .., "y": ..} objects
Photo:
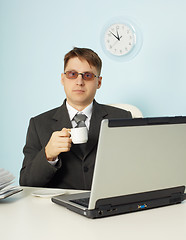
[{"x": 50, "y": 159}]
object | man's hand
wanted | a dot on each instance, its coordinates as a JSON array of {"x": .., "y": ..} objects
[{"x": 59, "y": 142}]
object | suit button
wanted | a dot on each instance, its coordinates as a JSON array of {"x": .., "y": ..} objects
[{"x": 85, "y": 169}]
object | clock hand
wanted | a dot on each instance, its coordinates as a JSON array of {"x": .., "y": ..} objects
[
  {"x": 118, "y": 37},
  {"x": 115, "y": 36},
  {"x": 114, "y": 43}
]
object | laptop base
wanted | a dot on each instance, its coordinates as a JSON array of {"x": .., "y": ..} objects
[{"x": 128, "y": 203}]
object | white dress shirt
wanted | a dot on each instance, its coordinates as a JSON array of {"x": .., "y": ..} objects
[{"x": 72, "y": 112}]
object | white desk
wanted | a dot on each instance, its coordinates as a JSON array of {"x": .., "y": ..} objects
[{"x": 24, "y": 216}]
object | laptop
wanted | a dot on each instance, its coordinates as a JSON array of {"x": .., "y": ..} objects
[{"x": 140, "y": 164}]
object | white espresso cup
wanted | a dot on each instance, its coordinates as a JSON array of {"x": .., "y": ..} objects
[{"x": 79, "y": 135}]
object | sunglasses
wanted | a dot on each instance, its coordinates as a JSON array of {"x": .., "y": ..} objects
[{"x": 86, "y": 75}]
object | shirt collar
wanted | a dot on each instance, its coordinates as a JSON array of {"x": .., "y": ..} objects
[{"x": 72, "y": 111}]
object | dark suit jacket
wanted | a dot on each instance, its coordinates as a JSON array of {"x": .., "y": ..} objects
[{"x": 73, "y": 170}]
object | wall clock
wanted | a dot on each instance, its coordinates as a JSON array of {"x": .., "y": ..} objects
[{"x": 121, "y": 39}]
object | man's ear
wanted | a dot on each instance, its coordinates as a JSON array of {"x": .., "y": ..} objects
[
  {"x": 99, "y": 82},
  {"x": 62, "y": 78}
]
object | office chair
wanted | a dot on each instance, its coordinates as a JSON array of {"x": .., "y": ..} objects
[{"x": 136, "y": 113}]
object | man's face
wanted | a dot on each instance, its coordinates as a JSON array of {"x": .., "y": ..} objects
[{"x": 79, "y": 92}]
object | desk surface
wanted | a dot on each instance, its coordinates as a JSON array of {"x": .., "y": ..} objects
[{"x": 24, "y": 216}]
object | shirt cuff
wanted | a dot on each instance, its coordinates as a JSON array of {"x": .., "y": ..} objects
[{"x": 53, "y": 163}]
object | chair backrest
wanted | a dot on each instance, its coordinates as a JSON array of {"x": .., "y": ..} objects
[{"x": 136, "y": 113}]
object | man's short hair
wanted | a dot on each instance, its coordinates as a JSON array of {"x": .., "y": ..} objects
[{"x": 86, "y": 54}]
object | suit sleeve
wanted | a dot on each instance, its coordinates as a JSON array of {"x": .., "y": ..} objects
[{"x": 36, "y": 171}]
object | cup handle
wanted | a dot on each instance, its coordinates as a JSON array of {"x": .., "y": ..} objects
[{"x": 69, "y": 130}]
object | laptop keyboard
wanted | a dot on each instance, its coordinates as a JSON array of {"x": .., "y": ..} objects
[{"x": 82, "y": 201}]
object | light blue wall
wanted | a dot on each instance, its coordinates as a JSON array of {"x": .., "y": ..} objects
[{"x": 35, "y": 35}]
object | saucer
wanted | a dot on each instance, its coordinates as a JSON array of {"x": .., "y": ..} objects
[{"x": 47, "y": 193}]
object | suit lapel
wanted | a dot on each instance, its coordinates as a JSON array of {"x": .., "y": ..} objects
[
  {"x": 61, "y": 118},
  {"x": 98, "y": 115}
]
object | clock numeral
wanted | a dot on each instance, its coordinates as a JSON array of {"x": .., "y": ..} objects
[
  {"x": 120, "y": 51},
  {"x": 117, "y": 27},
  {"x": 110, "y": 46},
  {"x": 130, "y": 43},
  {"x": 126, "y": 49}
]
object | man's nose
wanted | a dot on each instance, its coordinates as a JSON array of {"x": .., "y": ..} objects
[{"x": 80, "y": 80}]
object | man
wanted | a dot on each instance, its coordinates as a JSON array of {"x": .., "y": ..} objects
[{"x": 51, "y": 159}]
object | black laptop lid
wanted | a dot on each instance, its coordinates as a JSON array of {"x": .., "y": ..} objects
[{"x": 146, "y": 121}]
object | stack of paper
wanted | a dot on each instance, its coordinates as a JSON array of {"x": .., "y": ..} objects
[{"x": 6, "y": 179}]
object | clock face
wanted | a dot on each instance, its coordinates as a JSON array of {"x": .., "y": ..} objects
[{"x": 119, "y": 39}]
